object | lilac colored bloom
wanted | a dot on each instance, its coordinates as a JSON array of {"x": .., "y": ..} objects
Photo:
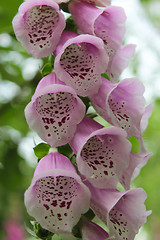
[
  {"x": 54, "y": 111},
  {"x": 137, "y": 161},
  {"x": 14, "y": 230},
  {"x": 38, "y": 26},
  {"x": 92, "y": 231},
  {"x": 102, "y": 153},
  {"x": 124, "y": 105},
  {"x": 120, "y": 61},
  {"x": 123, "y": 212},
  {"x": 108, "y": 23},
  {"x": 80, "y": 61},
  {"x": 56, "y": 197},
  {"x": 100, "y": 3}
]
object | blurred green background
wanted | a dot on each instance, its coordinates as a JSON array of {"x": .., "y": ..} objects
[{"x": 19, "y": 75}]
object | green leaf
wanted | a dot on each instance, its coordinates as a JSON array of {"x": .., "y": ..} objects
[
  {"x": 41, "y": 150},
  {"x": 47, "y": 69},
  {"x": 105, "y": 75},
  {"x": 65, "y": 150}
]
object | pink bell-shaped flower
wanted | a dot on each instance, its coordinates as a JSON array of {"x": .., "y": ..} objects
[
  {"x": 38, "y": 26},
  {"x": 108, "y": 23},
  {"x": 92, "y": 231},
  {"x": 120, "y": 61},
  {"x": 123, "y": 212},
  {"x": 54, "y": 111},
  {"x": 123, "y": 105},
  {"x": 100, "y": 3},
  {"x": 102, "y": 153},
  {"x": 137, "y": 161},
  {"x": 79, "y": 62},
  {"x": 56, "y": 197}
]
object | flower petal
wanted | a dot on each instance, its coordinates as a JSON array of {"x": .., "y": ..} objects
[
  {"x": 103, "y": 155},
  {"x": 108, "y": 23},
  {"x": 54, "y": 112},
  {"x": 123, "y": 212},
  {"x": 128, "y": 215},
  {"x": 125, "y": 104},
  {"x": 137, "y": 161},
  {"x": 38, "y": 26},
  {"x": 80, "y": 63},
  {"x": 57, "y": 197},
  {"x": 120, "y": 61},
  {"x": 92, "y": 231}
]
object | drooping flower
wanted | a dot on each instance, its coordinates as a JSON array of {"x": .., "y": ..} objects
[
  {"x": 123, "y": 105},
  {"x": 56, "y": 197},
  {"x": 14, "y": 230},
  {"x": 123, "y": 212},
  {"x": 108, "y": 23},
  {"x": 80, "y": 61},
  {"x": 137, "y": 161},
  {"x": 120, "y": 61},
  {"x": 92, "y": 231},
  {"x": 102, "y": 153},
  {"x": 38, "y": 26},
  {"x": 54, "y": 111},
  {"x": 100, "y": 3}
]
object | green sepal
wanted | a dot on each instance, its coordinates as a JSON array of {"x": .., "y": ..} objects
[
  {"x": 105, "y": 75},
  {"x": 65, "y": 150},
  {"x": 64, "y": 7},
  {"x": 30, "y": 231},
  {"x": 89, "y": 215},
  {"x": 76, "y": 230},
  {"x": 51, "y": 60},
  {"x": 47, "y": 69},
  {"x": 86, "y": 101},
  {"x": 92, "y": 115},
  {"x": 70, "y": 25},
  {"x": 41, "y": 150},
  {"x": 42, "y": 233}
]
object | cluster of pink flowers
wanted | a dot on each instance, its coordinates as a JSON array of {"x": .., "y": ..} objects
[{"x": 62, "y": 192}]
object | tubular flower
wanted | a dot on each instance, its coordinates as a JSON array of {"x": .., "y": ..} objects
[
  {"x": 92, "y": 231},
  {"x": 54, "y": 111},
  {"x": 102, "y": 153},
  {"x": 123, "y": 212},
  {"x": 80, "y": 61},
  {"x": 38, "y": 26},
  {"x": 124, "y": 105},
  {"x": 120, "y": 61},
  {"x": 100, "y": 3},
  {"x": 108, "y": 23},
  {"x": 137, "y": 161},
  {"x": 56, "y": 197}
]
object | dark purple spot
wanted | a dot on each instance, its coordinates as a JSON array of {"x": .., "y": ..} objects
[{"x": 46, "y": 206}]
